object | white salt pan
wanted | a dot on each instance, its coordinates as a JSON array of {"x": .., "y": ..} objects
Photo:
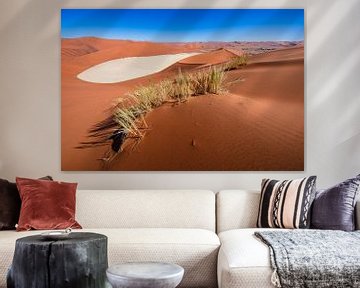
[{"x": 124, "y": 69}]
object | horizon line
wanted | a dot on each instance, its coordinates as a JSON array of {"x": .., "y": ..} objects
[{"x": 139, "y": 40}]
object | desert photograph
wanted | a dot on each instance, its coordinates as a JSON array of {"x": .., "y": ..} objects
[{"x": 182, "y": 89}]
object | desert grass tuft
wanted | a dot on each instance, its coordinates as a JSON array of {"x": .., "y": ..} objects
[
  {"x": 237, "y": 62},
  {"x": 216, "y": 79},
  {"x": 126, "y": 119},
  {"x": 182, "y": 87},
  {"x": 200, "y": 82},
  {"x": 210, "y": 80},
  {"x": 149, "y": 97}
]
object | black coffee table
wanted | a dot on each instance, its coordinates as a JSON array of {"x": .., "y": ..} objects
[{"x": 78, "y": 261}]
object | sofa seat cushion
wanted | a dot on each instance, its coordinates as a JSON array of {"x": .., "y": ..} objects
[
  {"x": 244, "y": 261},
  {"x": 194, "y": 249}
]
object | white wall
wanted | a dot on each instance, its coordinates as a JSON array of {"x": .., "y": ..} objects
[{"x": 30, "y": 94}]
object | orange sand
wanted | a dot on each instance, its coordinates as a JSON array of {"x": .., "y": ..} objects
[{"x": 210, "y": 58}]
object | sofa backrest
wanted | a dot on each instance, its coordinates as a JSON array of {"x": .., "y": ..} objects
[
  {"x": 146, "y": 209},
  {"x": 236, "y": 209},
  {"x": 239, "y": 209}
]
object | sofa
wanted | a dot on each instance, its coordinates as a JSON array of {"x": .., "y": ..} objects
[{"x": 210, "y": 235}]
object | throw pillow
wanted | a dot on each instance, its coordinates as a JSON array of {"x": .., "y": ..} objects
[
  {"x": 46, "y": 204},
  {"x": 334, "y": 208},
  {"x": 286, "y": 204},
  {"x": 10, "y": 204}
]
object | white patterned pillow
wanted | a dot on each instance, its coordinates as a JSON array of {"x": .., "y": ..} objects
[{"x": 286, "y": 204}]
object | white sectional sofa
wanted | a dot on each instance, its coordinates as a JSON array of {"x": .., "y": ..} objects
[{"x": 177, "y": 226}]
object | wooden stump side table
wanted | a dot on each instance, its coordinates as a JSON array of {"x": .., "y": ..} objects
[{"x": 78, "y": 261}]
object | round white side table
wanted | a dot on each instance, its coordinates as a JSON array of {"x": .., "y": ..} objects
[{"x": 145, "y": 275}]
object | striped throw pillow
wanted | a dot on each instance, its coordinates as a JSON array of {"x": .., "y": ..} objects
[{"x": 286, "y": 204}]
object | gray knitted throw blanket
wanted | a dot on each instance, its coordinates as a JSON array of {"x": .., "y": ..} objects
[{"x": 313, "y": 258}]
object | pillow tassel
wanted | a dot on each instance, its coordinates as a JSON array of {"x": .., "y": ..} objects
[{"x": 275, "y": 279}]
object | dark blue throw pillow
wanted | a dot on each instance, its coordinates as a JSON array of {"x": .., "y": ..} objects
[{"x": 334, "y": 208}]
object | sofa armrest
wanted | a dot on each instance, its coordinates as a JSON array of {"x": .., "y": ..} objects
[{"x": 357, "y": 215}]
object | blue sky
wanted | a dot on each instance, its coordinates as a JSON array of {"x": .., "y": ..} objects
[{"x": 184, "y": 25}]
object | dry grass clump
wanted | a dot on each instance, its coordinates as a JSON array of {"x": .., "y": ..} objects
[
  {"x": 126, "y": 119},
  {"x": 152, "y": 96},
  {"x": 215, "y": 80},
  {"x": 181, "y": 89},
  {"x": 208, "y": 81},
  {"x": 199, "y": 83},
  {"x": 237, "y": 62}
]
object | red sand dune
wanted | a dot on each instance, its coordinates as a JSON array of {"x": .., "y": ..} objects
[
  {"x": 105, "y": 50},
  {"x": 86, "y": 45},
  {"x": 280, "y": 55},
  {"x": 210, "y": 58},
  {"x": 257, "y": 125}
]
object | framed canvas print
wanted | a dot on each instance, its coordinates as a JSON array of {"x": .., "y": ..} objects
[{"x": 182, "y": 89}]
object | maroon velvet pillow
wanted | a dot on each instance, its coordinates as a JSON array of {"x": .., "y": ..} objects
[
  {"x": 46, "y": 204},
  {"x": 10, "y": 204}
]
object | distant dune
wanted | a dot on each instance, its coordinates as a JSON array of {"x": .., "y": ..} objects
[
  {"x": 86, "y": 45},
  {"x": 218, "y": 56},
  {"x": 257, "y": 125}
]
